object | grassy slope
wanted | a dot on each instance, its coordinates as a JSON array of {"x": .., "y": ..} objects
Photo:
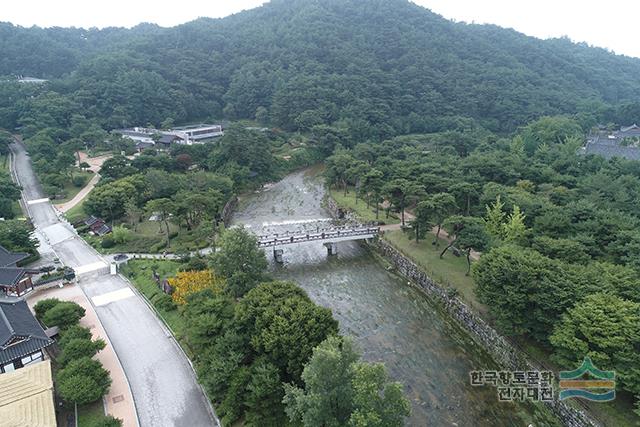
[
  {"x": 360, "y": 208},
  {"x": 139, "y": 273},
  {"x": 71, "y": 190},
  {"x": 76, "y": 213},
  {"x": 448, "y": 271}
]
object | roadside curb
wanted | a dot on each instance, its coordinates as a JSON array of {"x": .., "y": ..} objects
[{"x": 172, "y": 335}]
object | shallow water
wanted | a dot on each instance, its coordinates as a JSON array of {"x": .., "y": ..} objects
[{"x": 391, "y": 322}]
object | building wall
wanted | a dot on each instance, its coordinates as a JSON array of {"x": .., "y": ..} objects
[{"x": 36, "y": 357}]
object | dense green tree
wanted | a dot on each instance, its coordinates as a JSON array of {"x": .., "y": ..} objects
[
  {"x": 443, "y": 206},
  {"x": 605, "y": 328},
  {"x": 83, "y": 381},
  {"x": 377, "y": 401},
  {"x": 71, "y": 333},
  {"x": 239, "y": 260},
  {"x": 79, "y": 347},
  {"x": 514, "y": 228},
  {"x": 64, "y": 314},
  {"x": 16, "y": 236},
  {"x": 44, "y": 305},
  {"x": 424, "y": 220},
  {"x": 549, "y": 130},
  {"x": 372, "y": 187},
  {"x": 494, "y": 218},
  {"x": 245, "y": 148},
  {"x": 5, "y": 140},
  {"x": 284, "y": 325},
  {"x": 264, "y": 396},
  {"x": 327, "y": 397},
  {"x": 340, "y": 390},
  {"x": 117, "y": 167},
  {"x": 526, "y": 292},
  {"x": 564, "y": 249},
  {"x": 337, "y": 170}
]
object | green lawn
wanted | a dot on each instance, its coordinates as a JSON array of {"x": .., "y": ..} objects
[
  {"x": 76, "y": 213},
  {"x": 147, "y": 238},
  {"x": 90, "y": 413},
  {"x": 140, "y": 272},
  {"x": 70, "y": 190},
  {"x": 360, "y": 207},
  {"x": 4, "y": 163},
  {"x": 448, "y": 271}
]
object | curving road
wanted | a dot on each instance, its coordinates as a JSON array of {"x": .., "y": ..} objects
[{"x": 162, "y": 381}]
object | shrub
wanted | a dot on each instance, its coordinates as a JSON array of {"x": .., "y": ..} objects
[
  {"x": 73, "y": 332},
  {"x": 158, "y": 246},
  {"x": 43, "y": 306},
  {"x": 164, "y": 302},
  {"x": 83, "y": 381},
  {"x": 195, "y": 263},
  {"x": 188, "y": 282},
  {"x": 107, "y": 242},
  {"x": 77, "y": 348},
  {"x": 105, "y": 421},
  {"x": 64, "y": 314},
  {"x": 120, "y": 235},
  {"x": 79, "y": 180}
]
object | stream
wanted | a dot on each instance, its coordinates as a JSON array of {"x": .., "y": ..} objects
[{"x": 391, "y": 322}]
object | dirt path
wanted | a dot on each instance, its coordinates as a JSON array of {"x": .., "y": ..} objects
[
  {"x": 63, "y": 207},
  {"x": 95, "y": 163},
  {"x": 118, "y": 402}
]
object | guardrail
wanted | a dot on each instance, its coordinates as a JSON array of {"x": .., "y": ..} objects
[{"x": 332, "y": 234}]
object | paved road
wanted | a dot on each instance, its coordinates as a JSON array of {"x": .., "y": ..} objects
[{"x": 163, "y": 384}]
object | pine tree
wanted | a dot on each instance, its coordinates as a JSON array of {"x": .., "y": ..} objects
[{"x": 494, "y": 219}]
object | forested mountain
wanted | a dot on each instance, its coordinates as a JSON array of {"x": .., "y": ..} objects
[{"x": 376, "y": 68}]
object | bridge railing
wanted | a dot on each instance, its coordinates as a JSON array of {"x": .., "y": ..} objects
[
  {"x": 325, "y": 230},
  {"x": 274, "y": 240}
]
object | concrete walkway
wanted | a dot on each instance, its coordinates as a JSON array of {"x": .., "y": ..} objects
[
  {"x": 118, "y": 402},
  {"x": 64, "y": 207}
]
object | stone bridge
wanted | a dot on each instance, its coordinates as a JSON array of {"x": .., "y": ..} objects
[{"x": 329, "y": 237}]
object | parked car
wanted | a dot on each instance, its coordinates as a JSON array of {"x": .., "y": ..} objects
[{"x": 120, "y": 257}]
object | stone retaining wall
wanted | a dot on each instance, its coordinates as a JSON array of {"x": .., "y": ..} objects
[
  {"x": 228, "y": 210},
  {"x": 339, "y": 213},
  {"x": 502, "y": 351}
]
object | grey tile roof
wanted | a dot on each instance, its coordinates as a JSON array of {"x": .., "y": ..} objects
[
  {"x": 610, "y": 150},
  {"x": 18, "y": 326},
  {"x": 9, "y": 259},
  {"x": 167, "y": 139},
  {"x": 11, "y": 275}
]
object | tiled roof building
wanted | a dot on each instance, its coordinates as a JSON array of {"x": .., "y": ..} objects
[
  {"x": 22, "y": 339},
  {"x": 26, "y": 397}
]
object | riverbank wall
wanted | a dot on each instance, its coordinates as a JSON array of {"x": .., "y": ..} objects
[
  {"x": 228, "y": 210},
  {"x": 504, "y": 354}
]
